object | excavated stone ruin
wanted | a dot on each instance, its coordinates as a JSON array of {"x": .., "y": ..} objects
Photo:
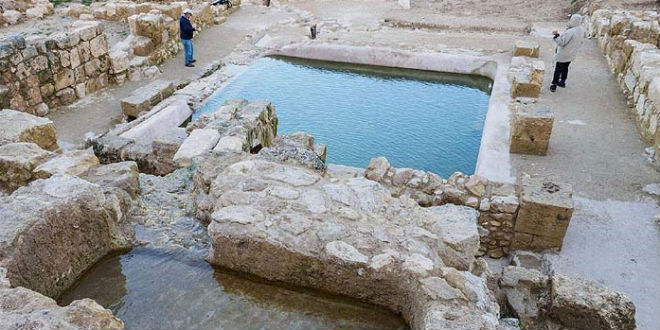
[{"x": 280, "y": 213}]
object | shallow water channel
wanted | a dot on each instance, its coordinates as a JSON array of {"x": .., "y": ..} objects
[
  {"x": 158, "y": 288},
  {"x": 419, "y": 119}
]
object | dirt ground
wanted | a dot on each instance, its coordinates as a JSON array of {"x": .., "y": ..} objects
[{"x": 613, "y": 238}]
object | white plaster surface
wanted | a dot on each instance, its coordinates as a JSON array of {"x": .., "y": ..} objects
[{"x": 616, "y": 244}]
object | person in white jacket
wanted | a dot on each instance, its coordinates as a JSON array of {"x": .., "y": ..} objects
[{"x": 568, "y": 44}]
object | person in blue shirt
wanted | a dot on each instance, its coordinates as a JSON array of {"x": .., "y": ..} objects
[{"x": 186, "y": 29}]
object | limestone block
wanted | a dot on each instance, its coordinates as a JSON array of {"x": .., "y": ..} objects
[
  {"x": 74, "y": 162},
  {"x": 584, "y": 305},
  {"x": 545, "y": 212},
  {"x": 230, "y": 143},
  {"x": 17, "y": 160},
  {"x": 88, "y": 30},
  {"x": 526, "y": 77},
  {"x": 199, "y": 142},
  {"x": 142, "y": 46},
  {"x": 165, "y": 146},
  {"x": 173, "y": 10},
  {"x": 98, "y": 46},
  {"x": 34, "y": 13},
  {"x": 653, "y": 93},
  {"x": 119, "y": 61},
  {"x": 619, "y": 23},
  {"x": 122, "y": 175},
  {"x": 21, "y": 308},
  {"x": 66, "y": 96},
  {"x": 531, "y": 129},
  {"x": 108, "y": 148},
  {"x": 75, "y": 9},
  {"x": 169, "y": 117},
  {"x": 526, "y": 48},
  {"x": 11, "y": 16},
  {"x": 147, "y": 25},
  {"x": 64, "y": 78},
  {"x": 16, "y": 126},
  {"x": 377, "y": 169},
  {"x": 145, "y": 97},
  {"x": 405, "y": 4},
  {"x": 644, "y": 57}
]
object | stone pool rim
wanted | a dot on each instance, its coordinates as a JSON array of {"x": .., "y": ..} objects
[{"x": 493, "y": 160}]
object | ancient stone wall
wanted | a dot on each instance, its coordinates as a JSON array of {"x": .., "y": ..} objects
[
  {"x": 17, "y": 11},
  {"x": 41, "y": 73},
  {"x": 630, "y": 42},
  {"x": 497, "y": 202},
  {"x": 154, "y": 26}
]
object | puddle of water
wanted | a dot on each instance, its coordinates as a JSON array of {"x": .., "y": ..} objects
[
  {"x": 171, "y": 288},
  {"x": 425, "y": 120}
]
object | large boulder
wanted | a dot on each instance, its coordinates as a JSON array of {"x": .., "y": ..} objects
[
  {"x": 17, "y": 161},
  {"x": 16, "y": 126},
  {"x": 55, "y": 229}
]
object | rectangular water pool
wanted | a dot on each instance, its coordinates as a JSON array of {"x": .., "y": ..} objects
[{"x": 419, "y": 119}]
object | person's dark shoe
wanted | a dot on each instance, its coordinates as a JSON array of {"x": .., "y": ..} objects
[
  {"x": 193, "y": 61},
  {"x": 562, "y": 85},
  {"x": 190, "y": 65},
  {"x": 553, "y": 88}
]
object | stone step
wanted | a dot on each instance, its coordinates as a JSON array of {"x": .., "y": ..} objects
[{"x": 144, "y": 98}]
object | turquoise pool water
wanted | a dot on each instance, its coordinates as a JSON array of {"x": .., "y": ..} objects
[{"x": 424, "y": 120}]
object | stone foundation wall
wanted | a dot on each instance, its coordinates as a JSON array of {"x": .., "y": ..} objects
[
  {"x": 496, "y": 202},
  {"x": 41, "y": 73},
  {"x": 630, "y": 42},
  {"x": 154, "y": 26},
  {"x": 17, "y": 11}
]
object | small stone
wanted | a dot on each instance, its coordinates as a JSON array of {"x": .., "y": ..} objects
[
  {"x": 377, "y": 169},
  {"x": 344, "y": 251}
]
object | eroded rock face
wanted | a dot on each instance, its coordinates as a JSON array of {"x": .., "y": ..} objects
[
  {"x": 54, "y": 229},
  {"x": 21, "y": 308},
  {"x": 74, "y": 162},
  {"x": 17, "y": 161},
  {"x": 348, "y": 236},
  {"x": 123, "y": 175},
  {"x": 542, "y": 301},
  {"x": 581, "y": 304},
  {"x": 16, "y": 126}
]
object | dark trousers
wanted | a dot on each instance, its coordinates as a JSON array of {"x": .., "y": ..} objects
[{"x": 561, "y": 72}]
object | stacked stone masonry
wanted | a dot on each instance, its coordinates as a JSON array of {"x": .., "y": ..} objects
[
  {"x": 630, "y": 40},
  {"x": 497, "y": 202},
  {"x": 17, "y": 11},
  {"x": 46, "y": 72},
  {"x": 154, "y": 26},
  {"x": 42, "y": 73}
]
